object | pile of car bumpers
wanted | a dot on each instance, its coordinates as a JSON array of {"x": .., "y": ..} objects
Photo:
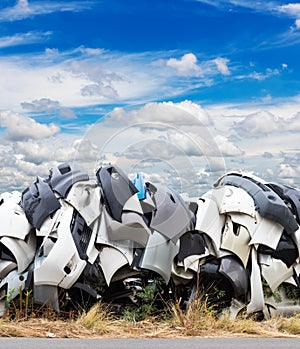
[{"x": 71, "y": 237}]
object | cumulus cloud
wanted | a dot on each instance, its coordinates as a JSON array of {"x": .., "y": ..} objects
[
  {"x": 93, "y": 70},
  {"x": 18, "y": 127},
  {"x": 178, "y": 135},
  {"x": 17, "y": 172},
  {"x": 99, "y": 90},
  {"x": 264, "y": 123},
  {"x": 38, "y": 152},
  {"x": 32, "y": 169},
  {"x": 287, "y": 171},
  {"x": 227, "y": 148},
  {"x": 59, "y": 149},
  {"x": 184, "y": 144},
  {"x": 222, "y": 66},
  {"x": 25, "y": 159},
  {"x": 258, "y": 124},
  {"x": 185, "y": 125},
  {"x": 194, "y": 109},
  {"x": 175, "y": 114},
  {"x": 189, "y": 144},
  {"x": 186, "y": 65},
  {"x": 42, "y": 104},
  {"x": 47, "y": 105},
  {"x": 290, "y": 9},
  {"x": 159, "y": 149}
]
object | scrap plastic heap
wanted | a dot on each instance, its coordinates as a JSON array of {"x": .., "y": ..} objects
[{"x": 70, "y": 237}]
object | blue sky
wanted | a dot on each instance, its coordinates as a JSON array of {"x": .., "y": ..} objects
[{"x": 182, "y": 90}]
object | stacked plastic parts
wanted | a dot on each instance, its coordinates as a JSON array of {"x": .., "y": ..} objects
[
  {"x": 71, "y": 237},
  {"x": 69, "y": 234},
  {"x": 251, "y": 230}
]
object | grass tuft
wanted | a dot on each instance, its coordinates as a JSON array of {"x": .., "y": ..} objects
[
  {"x": 97, "y": 319},
  {"x": 290, "y": 325}
]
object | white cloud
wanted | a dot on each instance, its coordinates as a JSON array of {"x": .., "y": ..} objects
[
  {"x": 24, "y": 9},
  {"x": 19, "y": 127},
  {"x": 91, "y": 51},
  {"x": 263, "y": 123},
  {"x": 267, "y": 98},
  {"x": 47, "y": 81},
  {"x": 175, "y": 136},
  {"x": 43, "y": 104},
  {"x": 24, "y": 39},
  {"x": 84, "y": 77},
  {"x": 23, "y": 160},
  {"x": 186, "y": 65},
  {"x": 31, "y": 169},
  {"x": 287, "y": 171},
  {"x": 172, "y": 142},
  {"x": 194, "y": 109},
  {"x": 168, "y": 113},
  {"x": 260, "y": 6},
  {"x": 99, "y": 89},
  {"x": 221, "y": 64},
  {"x": 263, "y": 76},
  {"x": 297, "y": 23},
  {"x": 38, "y": 153},
  {"x": 258, "y": 124},
  {"x": 227, "y": 148},
  {"x": 47, "y": 105},
  {"x": 87, "y": 80},
  {"x": 61, "y": 148},
  {"x": 228, "y": 141},
  {"x": 162, "y": 149},
  {"x": 290, "y": 9}
]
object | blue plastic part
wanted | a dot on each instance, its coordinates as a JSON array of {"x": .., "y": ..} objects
[{"x": 139, "y": 183}]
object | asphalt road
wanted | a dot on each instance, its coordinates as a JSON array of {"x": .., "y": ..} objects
[{"x": 189, "y": 343}]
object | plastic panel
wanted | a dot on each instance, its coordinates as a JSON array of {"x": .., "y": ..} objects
[
  {"x": 117, "y": 189},
  {"x": 268, "y": 203},
  {"x": 172, "y": 217},
  {"x": 158, "y": 255},
  {"x": 38, "y": 202},
  {"x": 62, "y": 177}
]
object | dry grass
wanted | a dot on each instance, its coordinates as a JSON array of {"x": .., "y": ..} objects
[
  {"x": 197, "y": 321},
  {"x": 42, "y": 328},
  {"x": 200, "y": 320}
]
